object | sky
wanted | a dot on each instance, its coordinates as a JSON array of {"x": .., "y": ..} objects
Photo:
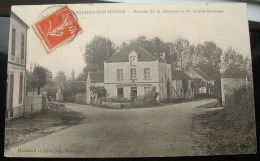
[{"x": 227, "y": 29}]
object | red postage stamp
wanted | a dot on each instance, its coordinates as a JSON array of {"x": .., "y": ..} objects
[{"x": 57, "y": 28}]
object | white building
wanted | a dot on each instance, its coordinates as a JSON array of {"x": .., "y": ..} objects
[
  {"x": 206, "y": 82},
  {"x": 94, "y": 79},
  {"x": 16, "y": 67},
  {"x": 135, "y": 70}
]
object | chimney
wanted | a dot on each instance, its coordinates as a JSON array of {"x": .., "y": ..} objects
[{"x": 108, "y": 49}]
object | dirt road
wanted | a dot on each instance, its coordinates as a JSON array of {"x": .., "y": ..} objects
[{"x": 145, "y": 132}]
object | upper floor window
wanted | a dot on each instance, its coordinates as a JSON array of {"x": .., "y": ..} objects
[
  {"x": 119, "y": 74},
  {"x": 22, "y": 48},
  {"x": 13, "y": 42},
  {"x": 133, "y": 60},
  {"x": 147, "y": 73},
  {"x": 133, "y": 73}
]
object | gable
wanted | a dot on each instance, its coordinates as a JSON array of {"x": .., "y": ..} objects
[{"x": 123, "y": 55}]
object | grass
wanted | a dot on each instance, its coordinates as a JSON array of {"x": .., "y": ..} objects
[
  {"x": 231, "y": 130},
  {"x": 27, "y": 128}
]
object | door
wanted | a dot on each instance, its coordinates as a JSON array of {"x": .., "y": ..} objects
[
  {"x": 134, "y": 91},
  {"x": 10, "y": 96}
]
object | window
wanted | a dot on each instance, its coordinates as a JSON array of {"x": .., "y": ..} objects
[
  {"x": 147, "y": 73},
  {"x": 119, "y": 74},
  {"x": 22, "y": 48},
  {"x": 133, "y": 73},
  {"x": 21, "y": 89},
  {"x": 13, "y": 42},
  {"x": 120, "y": 92},
  {"x": 133, "y": 60}
]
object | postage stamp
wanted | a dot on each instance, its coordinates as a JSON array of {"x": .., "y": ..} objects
[{"x": 58, "y": 28}]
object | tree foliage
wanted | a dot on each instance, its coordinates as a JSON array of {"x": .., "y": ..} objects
[
  {"x": 96, "y": 53},
  {"x": 61, "y": 76},
  {"x": 37, "y": 79}
]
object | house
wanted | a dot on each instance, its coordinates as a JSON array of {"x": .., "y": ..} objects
[
  {"x": 233, "y": 78},
  {"x": 182, "y": 85},
  {"x": 94, "y": 79},
  {"x": 134, "y": 70},
  {"x": 68, "y": 90},
  {"x": 16, "y": 67},
  {"x": 203, "y": 83}
]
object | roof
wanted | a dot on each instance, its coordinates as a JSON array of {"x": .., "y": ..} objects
[
  {"x": 123, "y": 55},
  {"x": 203, "y": 74},
  {"x": 96, "y": 77},
  {"x": 234, "y": 73},
  {"x": 19, "y": 20},
  {"x": 73, "y": 84},
  {"x": 180, "y": 75}
]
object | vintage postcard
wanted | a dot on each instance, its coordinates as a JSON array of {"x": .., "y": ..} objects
[{"x": 129, "y": 80}]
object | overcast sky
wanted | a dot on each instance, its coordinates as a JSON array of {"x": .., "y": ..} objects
[{"x": 229, "y": 28}]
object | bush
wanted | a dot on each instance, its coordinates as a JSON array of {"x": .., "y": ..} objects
[
  {"x": 233, "y": 128},
  {"x": 204, "y": 95},
  {"x": 117, "y": 99}
]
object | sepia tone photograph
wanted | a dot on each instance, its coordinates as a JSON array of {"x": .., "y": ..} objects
[{"x": 129, "y": 80}]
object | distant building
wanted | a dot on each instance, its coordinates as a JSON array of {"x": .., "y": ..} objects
[
  {"x": 16, "y": 67},
  {"x": 94, "y": 79},
  {"x": 182, "y": 85},
  {"x": 232, "y": 79},
  {"x": 203, "y": 83},
  {"x": 68, "y": 89},
  {"x": 135, "y": 70}
]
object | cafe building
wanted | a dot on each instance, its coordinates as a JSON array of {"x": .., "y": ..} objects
[{"x": 134, "y": 70}]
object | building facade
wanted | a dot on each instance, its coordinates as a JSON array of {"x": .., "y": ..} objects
[
  {"x": 16, "y": 67},
  {"x": 232, "y": 79},
  {"x": 94, "y": 79},
  {"x": 203, "y": 83},
  {"x": 135, "y": 71},
  {"x": 182, "y": 85}
]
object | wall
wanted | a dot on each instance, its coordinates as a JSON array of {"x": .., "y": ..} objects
[
  {"x": 33, "y": 104},
  {"x": 229, "y": 84},
  {"x": 110, "y": 71}
]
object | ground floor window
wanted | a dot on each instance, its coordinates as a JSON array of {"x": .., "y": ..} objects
[{"x": 120, "y": 92}]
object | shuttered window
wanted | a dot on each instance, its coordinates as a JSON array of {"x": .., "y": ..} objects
[{"x": 13, "y": 42}]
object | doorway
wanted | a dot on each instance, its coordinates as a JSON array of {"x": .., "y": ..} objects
[{"x": 134, "y": 92}]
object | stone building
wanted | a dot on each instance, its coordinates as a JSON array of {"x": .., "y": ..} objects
[
  {"x": 16, "y": 67},
  {"x": 182, "y": 85},
  {"x": 94, "y": 79},
  {"x": 233, "y": 78},
  {"x": 135, "y": 70},
  {"x": 203, "y": 83}
]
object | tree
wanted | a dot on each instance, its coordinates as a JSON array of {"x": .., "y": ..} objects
[
  {"x": 37, "y": 79},
  {"x": 61, "y": 76},
  {"x": 48, "y": 74},
  {"x": 231, "y": 56},
  {"x": 212, "y": 53},
  {"x": 96, "y": 53},
  {"x": 181, "y": 50}
]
